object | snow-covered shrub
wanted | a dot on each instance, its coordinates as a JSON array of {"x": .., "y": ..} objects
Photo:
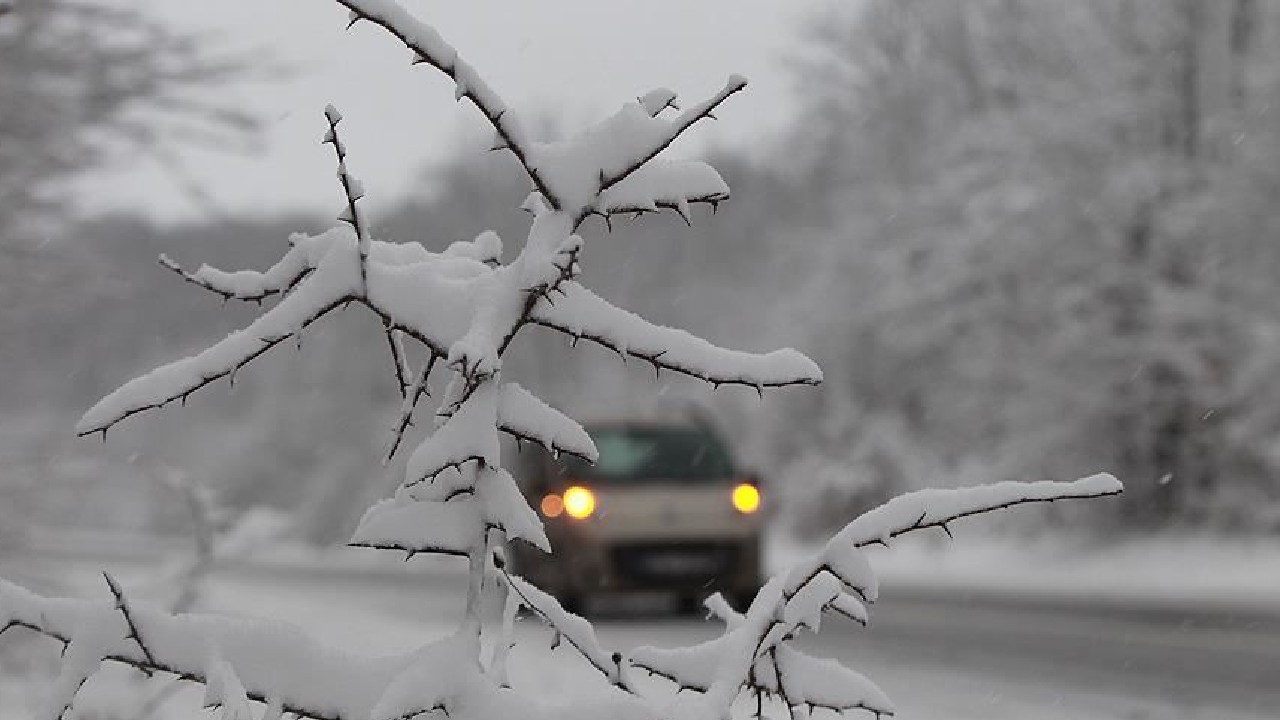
[{"x": 454, "y": 313}]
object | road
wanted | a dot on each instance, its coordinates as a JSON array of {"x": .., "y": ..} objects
[{"x": 940, "y": 657}]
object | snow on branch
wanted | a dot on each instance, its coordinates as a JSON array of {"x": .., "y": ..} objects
[
  {"x": 936, "y": 508},
  {"x": 785, "y": 674},
  {"x": 671, "y": 185},
  {"x": 756, "y": 651},
  {"x": 610, "y": 176},
  {"x": 581, "y": 168},
  {"x": 441, "y": 528},
  {"x": 522, "y": 415},
  {"x": 334, "y": 282},
  {"x": 427, "y": 296},
  {"x": 271, "y": 662},
  {"x": 429, "y": 48},
  {"x": 582, "y": 314},
  {"x": 839, "y": 579},
  {"x": 248, "y": 285},
  {"x": 573, "y": 628},
  {"x": 465, "y": 436}
]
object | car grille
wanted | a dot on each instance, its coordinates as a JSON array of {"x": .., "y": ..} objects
[{"x": 682, "y": 563}]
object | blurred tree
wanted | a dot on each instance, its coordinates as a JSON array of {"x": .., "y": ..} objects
[
  {"x": 82, "y": 84},
  {"x": 1036, "y": 199}
]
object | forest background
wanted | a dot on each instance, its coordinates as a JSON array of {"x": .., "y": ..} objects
[{"x": 1025, "y": 240}]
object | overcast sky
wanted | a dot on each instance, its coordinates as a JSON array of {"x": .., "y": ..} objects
[{"x": 571, "y": 61}]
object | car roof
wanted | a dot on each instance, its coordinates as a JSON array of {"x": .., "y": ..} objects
[{"x": 649, "y": 423}]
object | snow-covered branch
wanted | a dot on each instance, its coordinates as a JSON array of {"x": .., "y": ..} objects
[
  {"x": 464, "y": 306},
  {"x": 576, "y": 630},
  {"x": 936, "y": 508},
  {"x": 247, "y": 285},
  {"x": 271, "y": 662},
  {"x": 611, "y": 176},
  {"x": 429, "y": 48},
  {"x": 756, "y": 653},
  {"x": 582, "y": 314},
  {"x": 525, "y": 417}
]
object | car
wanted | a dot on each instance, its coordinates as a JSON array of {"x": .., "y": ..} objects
[{"x": 665, "y": 508}]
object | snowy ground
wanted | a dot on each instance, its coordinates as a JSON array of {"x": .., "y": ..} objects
[
  {"x": 938, "y": 651},
  {"x": 1201, "y": 572}
]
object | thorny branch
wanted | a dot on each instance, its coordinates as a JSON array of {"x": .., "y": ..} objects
[
  {"x": 615, "y": 675},
  {"x": 412, "y": 395},
  {"x": 429, "y": 48},
  {"x": 919, "y": 524},
  {"x": 352, "y": 191},
  {"x": 159, "y": 665},
  {"x": 681, "y": 123}
]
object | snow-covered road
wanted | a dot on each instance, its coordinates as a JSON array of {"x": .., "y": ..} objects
[{"x": 940, "y": 657}]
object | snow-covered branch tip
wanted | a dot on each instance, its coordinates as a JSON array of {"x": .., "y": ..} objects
[
  {"x": 431, "y": 49},
  {"x": 936, "y": 508},
  {"x": 352, "y": 191},
  {"x": 705, "y": 109}
]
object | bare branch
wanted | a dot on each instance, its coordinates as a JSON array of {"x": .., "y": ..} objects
[
  {"x": 397, "y": 360},
  {"x": 351, "y": 189},
  {"x": 416, "y": 391},
  {"x": 123, "y": 607}
]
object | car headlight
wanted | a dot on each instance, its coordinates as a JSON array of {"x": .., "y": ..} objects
[
  {"x": 552, "y": 505},
  {"x": 746, "y": 498},
  {"x": 579, "y": 502}
]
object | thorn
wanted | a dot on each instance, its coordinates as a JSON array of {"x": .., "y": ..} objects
[
  {"x": 947, "y": 530},
  {"x": 104, "y": 436},
  {"x": 355, "y": 18}
]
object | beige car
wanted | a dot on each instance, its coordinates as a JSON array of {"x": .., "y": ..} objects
[{"x": 664, "y": 508}]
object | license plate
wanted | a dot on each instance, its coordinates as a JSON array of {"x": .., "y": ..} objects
[{"x": 681, "y": 563}]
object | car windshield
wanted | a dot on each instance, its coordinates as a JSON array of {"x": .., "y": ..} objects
[{"x": 629, "y": 454}]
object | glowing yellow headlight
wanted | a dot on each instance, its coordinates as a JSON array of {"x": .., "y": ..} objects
[
  {"x": 746, "y": 498},
  {"x": 579, "y": 502}
]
